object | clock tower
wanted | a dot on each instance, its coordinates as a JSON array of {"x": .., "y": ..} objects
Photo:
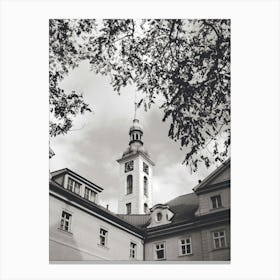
[{"x": 135, "y": 195}]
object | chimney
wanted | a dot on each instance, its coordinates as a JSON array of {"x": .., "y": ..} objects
[{"x": 107, "y": 206}]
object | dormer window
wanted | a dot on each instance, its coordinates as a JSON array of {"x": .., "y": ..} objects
[
  {"x": 89, "y": 194},
  {"x": 216, "y": 201},
  {"x": 159, "y": 216},
  {"x": 74, "y": 186}
]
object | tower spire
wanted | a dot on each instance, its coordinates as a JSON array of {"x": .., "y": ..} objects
[
  {"x": 135, "y": 106},
  {"x": 135, "y": 109}
]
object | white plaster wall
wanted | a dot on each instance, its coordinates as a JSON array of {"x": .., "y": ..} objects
[
  {"x": 83, "y": 241},
  {"x": 137, "y": 197},
  {"x": 172, "y": 247}
]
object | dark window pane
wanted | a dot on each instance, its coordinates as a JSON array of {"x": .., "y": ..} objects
[
  {"x": 160, "y": 254},
  {"x": 217, "y": 243},
  {"x": 223, "y": 243}
]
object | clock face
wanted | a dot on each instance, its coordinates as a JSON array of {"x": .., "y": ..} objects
[
  {"x": 146, "y": 168},
  {"x": 128, "y": 166}
]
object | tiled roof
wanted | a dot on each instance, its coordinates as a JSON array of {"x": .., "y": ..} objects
[
  {"x": 183, "y": 207},
  {"x": 138, "y": 220}
]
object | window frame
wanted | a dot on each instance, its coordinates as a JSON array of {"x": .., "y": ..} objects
[
  {"x": 146, "y": 208},
  {"x": 159, "y": 249},
  {"x": 157, "y": 215},
  {"x": 105, "y": 236},
  {"x": 181, "y": 245},
  {"x": 216, "y": 198},
  {"x": 130, "y": 205},
  {"x": 146, "y": 186},
  {"x": 146, "y": 168},
  {"x": 219, "y": 237},
  {"x": 129, "y": 188},
  {"x": 89, "y": 194},
  {"x": 132, "y": 250},
  {"x": 63, "y": 220},
  {"x": 72, "y": 187}
]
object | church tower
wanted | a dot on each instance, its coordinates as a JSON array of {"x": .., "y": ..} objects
[{"x": 136, "y": 175}]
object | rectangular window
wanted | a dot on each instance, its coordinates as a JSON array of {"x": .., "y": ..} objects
[
  {"x": 103, "y": 237},
  {"x": 73, "y": 186},
  {"x": 216, "y": 201},
  {"x": 128, "y": 208},
  {"x": 65, "y": 221},
  {"x": 160, "y": 251},
  {"x": 89, "y": 194},
  {"x": 185, "y": 246},
  {"x": 219, "y": 239},
  {"x": 132, "y": 253}
]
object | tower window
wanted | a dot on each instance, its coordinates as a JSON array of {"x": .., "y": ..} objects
[
  {"x": 145, "y": 186},
  {"x": 129, "y": 184},
  {"x": 136, "y": 136},
  {"x": 128, "y": 208},
  {"x": 146, "y": 209}
]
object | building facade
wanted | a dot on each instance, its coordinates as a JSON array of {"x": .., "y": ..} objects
[{"x": 191, "y": 227}]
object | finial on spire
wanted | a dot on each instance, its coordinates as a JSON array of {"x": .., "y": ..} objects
[{"x": 135, "y": 106}]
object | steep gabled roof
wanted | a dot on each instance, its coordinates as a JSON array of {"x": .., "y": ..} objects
[
  {"x": 204, "y": 185},
  {"x": 63, "y": 171}
]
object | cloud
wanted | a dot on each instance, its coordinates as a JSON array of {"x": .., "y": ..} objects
[{"x": 98, "y": 139}]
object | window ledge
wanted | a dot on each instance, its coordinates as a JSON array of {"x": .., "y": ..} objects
[
  {"x": 102, "y": 246},
  {"x": 186, "y": 255},
  {"x": 218, "y": 249},
  {"x": 217, "y": 209},
  {"x": 65, "y": 231}
]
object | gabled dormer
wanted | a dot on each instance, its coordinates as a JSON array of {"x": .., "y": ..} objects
[
  {"x": 160, "y": 215},
  {"x": 214, "y": 191},
  {"x": 77, "y": 184}
]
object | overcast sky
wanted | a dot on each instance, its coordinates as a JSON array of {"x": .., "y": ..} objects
[{"x": 98, "y": 139}]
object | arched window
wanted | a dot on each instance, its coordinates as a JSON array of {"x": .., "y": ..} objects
[
  {"x": 159, "y": 216},
  {"x": 145, "y": 186},
  {"x": 146, "y": 209},
  {"x": 129, "y": 184}
]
